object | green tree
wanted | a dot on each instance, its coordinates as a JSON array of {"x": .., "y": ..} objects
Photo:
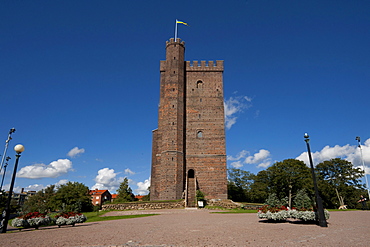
[
  {"x": 260, "y": 187},
  {"x": 285, "y": 178},
  {"x": 239, "y": 184},
  {"x": 339, "y": 176},
  {"x": 273, "y": 201},
  {"x": 73, "y": 196},
  {"x": 124, "y": 193},
  {"x": 302, "y": 201},
  {"x": 43, "y": 201}
]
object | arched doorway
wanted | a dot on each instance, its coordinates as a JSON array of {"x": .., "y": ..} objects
[{"x": 191, "y": 189}]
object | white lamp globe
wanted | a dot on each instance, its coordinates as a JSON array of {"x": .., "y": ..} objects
[{"x": 19, "y": 148}]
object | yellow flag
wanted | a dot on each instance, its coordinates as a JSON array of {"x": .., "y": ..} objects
[{"x": 181, "y": 22}]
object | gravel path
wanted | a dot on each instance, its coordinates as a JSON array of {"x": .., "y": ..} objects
[{"x": 183, "y": 227}]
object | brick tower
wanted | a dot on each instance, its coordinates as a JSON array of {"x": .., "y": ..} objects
[{"x": 188, "y": 151}]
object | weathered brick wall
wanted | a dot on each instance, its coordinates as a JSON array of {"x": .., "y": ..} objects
[
  {"x": 168, "y": 163},
  {"x": 144, "y": 205},
  {"x": 206, "y": 152},
  {"x": 191, "y": 132}
]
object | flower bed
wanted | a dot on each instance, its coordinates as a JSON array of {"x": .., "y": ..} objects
[
  {"x": 36, "y": 219},
  {"x": 273, "y": 213},
  {"x": 69, "y": 219},
  {"x": 31, "y": 220},
  {"x": 283, "y": 213},
  {"x": 307, "y": 215}
]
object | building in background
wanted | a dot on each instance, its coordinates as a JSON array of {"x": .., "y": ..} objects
[{"x": 98, "y": 197}]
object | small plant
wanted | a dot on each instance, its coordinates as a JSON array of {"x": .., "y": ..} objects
[{"x": 200, "y": 195}]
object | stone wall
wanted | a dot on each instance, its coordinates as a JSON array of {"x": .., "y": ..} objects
[{"x": 144, "y": 205}]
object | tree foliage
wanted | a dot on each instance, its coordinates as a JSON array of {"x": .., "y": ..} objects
[
  {"x": 43, "y": 201},
  {"x": 285, "y": 178},
  {"x": 260, "y": 187},
  {"x": 73, "y": 197},
  {"x": 339, "y": 182},
  {"x": 124, "y": 192},
  {"x": 239, "y": 184}
]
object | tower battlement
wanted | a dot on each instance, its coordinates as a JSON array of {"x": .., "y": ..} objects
[
  {"x": 205, "y": 65},
  {"x": 172, "y": 40}
]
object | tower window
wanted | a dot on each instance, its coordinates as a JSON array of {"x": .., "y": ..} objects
[
  {"x": 199, "y": 84},
  {"x": 199, "y": 134}
]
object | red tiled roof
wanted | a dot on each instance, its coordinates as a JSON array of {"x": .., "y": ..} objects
[{"x": 97, "y": 192}]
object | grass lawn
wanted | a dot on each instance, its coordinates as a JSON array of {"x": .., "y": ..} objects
[{"x": 97, "y": 216}]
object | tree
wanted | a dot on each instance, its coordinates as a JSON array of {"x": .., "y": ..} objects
[
  {"x": 341, "y": 177},
  {"x": 239, "y": 184},
  {"x": 43, "y": 201},
  {"x": 73, "y": 196},
  {"x": 125, "y": 193},
  {"x": 285, "y": 178},
  {"x": 302, "y": 201},
  {"x": 260, "y": 188}
]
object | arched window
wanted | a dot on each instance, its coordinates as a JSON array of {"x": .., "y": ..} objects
[
  {"x": 199, "y": 84},
  {"x": 199, "y": 134}
]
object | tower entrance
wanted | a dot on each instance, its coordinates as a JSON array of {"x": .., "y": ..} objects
[{"x": 191, "y": 189}]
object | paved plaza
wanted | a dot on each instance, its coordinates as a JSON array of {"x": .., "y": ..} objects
[{"x": 184, "y": 227}]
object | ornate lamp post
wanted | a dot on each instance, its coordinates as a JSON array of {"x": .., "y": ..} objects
[
  {"x": 11, "y": 131},
  {"x": 2, "y": 180},
  {"x": 4, "y": 222},
  {"x": 320, "y": 208},
  {"x": 363, "y": 165}
]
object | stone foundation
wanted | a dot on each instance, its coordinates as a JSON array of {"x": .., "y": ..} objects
[{"x": 144, "y": 205}]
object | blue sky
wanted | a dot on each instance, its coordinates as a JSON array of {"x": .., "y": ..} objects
[{"x": 80, "y": 82}]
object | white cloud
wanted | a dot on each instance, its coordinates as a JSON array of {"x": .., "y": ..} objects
[
  {"x": 233, "y": 106},
  {"x": 265, "y": 164},
  {"x": 259, "y": 157},
  {"x": 236, "y": 164},
  {"x": 128, "y": 171},
  {"x": 347, "y": 152},
  {"x": 34, "y": 187},
  {"x": 53, "y": 170},
  {"x": 75, "y": 151},
  {"x": 60, "y": 182},
  {"x": 239, "y": 156},
  {"x": 142, "y": 187},
  {"x": 107, "y": 179}
]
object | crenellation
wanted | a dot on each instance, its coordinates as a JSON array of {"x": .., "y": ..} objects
[{"x": 205, "y": 65}]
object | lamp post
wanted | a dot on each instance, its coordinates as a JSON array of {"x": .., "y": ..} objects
[
  {"x": 363, "y": 165},
  {"x": 11, "y": 131},
  {"x": 2, "y": 180},
  {"x": 4, "y": 222},
  {"x": 320, "y": 208}
]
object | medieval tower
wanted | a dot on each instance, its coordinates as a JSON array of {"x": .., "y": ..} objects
[{"x": 188, "y": 152}]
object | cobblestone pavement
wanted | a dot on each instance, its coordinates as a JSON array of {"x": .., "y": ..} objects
[{"x": 182, "y": 227}]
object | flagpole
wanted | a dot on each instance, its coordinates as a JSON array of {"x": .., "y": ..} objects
[{"x": 176, "y": 30}]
